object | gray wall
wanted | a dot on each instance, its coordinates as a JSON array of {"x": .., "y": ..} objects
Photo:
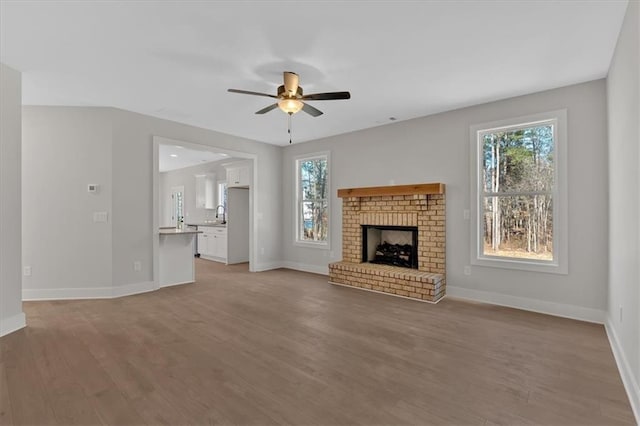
[
  {"x": 63, "y": 150},
  {"x": 11, "y": 315},
  {"x": 623, "y": 95},
  {"x": 66, "y": 148},
  {"x": 436, "y": 149},
  {"x": 187, "y": 177},
  {"x": 132, "y": 190}
]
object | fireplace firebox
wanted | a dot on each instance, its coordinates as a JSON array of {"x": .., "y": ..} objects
[{"x": 390, "y": 245}]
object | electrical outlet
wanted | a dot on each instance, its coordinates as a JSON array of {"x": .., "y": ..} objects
[
  {"x": 100, "y": 217},
  {"x": 137, "y": 266},
  {"x": 261, "y": 250},
  {"x": 331, "y": 254},
  {"x": 465, "y": 214},
  {"x": 27, "y": 271},
  {"x": 467, "y": 270}
]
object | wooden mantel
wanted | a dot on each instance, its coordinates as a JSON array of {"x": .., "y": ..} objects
[{"x": 377, "y": 191}]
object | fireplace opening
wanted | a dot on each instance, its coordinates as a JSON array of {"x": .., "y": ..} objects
[{"x": 390, "y": 245}]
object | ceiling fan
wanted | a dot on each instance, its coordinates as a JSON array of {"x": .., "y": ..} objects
[{"x": 291, "y": 98}]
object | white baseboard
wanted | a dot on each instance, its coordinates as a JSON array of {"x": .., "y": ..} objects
[
  {"x": 13, "y": 323},
  {"x": 175, "y": 284},
  {"x": 135, "y": 288},
  {"x": 87, "y": 293},
  {"x": 267, "y": 266},
  {"x": 213, "y": 258},
  {"x": 630, "y": 383},
  {"x": 314, "y": 269},
  {"x": 29, "y": 294},
  {"x": 550, "y": 308},
  {"x": 304, "y": 267}
]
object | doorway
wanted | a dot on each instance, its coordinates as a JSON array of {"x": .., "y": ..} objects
[{"x": 183, "y": 197}]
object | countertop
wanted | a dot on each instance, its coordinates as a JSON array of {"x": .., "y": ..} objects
[
  {"x": 175, "y": 231},
  {"x": 217, "y": 225}
]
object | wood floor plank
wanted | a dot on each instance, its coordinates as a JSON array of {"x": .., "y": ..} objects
[
  {"x": 6, "y": 417},
  {"x": 27, "y": 394},
  {"x": 61, "y": 387},
  {"x": 285, "y": 347}
]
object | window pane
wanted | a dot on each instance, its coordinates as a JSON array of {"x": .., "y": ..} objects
[
  {"x": 520, "y": 160},
  {"x": 313, "y": 179},
  {"x": 222, "y": 194},
  {"x": 314, "y": 221},
  {"x": 518, "y": 226}
]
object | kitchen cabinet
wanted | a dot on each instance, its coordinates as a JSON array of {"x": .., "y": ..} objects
[
  {"x": 220, "y": 245},
  {"x": 238, "y": 176},
  {"x": 205, "y": 191},
  {"x": 212, "y": 243}
]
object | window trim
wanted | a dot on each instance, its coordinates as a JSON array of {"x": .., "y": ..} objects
[
  {"x": 323, "y": 245},
  {"x": 560, "y": 262}
]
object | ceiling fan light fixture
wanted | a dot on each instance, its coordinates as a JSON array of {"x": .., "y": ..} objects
[{"x": 290, "y": 106}]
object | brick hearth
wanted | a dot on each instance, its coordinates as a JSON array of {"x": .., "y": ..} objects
[{"x": 405, "y": 205}]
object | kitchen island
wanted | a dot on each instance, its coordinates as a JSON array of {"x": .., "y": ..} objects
[{"x": 176, "y": 262}]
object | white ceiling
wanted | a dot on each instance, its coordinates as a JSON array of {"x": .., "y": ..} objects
[
  {"x": 401, "y": 59},
  {"x": 173, "y": 157}
]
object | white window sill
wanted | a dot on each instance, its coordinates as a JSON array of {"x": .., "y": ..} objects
[
  {"x": 322, "y": 245},
  {"x": 521, "y": 264}
]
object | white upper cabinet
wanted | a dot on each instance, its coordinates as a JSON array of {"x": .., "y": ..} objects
[
  {"x": 239, "y": 175},
  {"x": 205, "y": 191}
]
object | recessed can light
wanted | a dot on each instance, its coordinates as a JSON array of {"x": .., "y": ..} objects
[{"x": 173, "y": 155}]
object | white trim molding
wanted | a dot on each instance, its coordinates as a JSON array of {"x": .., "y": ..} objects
[
  {"x": 87, "y": 292},
  {"x": 135, "y": 288},
  {"x": 295, "y": 266},
  {"x": 13, "y": 323},
  {"x": 541, "y": 306},
  {"x": 175, "y": 284},
  {"x": 322, "y": 245},
  {"x": 629, "y": 381},
  {"x": 560, "y": 262},
  {"x": 304, "y": 267},
  {"x": 267, "y": 266}
]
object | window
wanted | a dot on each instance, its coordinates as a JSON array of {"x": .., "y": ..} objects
[
  {"x": 312, "y": 200},
  {"x": 222, "y": 194},
  {"x": 519, "y": 201}
]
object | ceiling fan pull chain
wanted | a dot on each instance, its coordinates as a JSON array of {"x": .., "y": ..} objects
[{"x": 289, "y": 128}]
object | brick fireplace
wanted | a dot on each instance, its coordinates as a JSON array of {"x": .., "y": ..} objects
[{"x": 389, "y": 207}]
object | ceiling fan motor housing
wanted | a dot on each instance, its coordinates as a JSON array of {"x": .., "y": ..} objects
[{"x": 282, "y": 92}]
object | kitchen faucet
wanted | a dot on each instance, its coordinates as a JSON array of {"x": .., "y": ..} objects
[{"x": 223, "y": 213}]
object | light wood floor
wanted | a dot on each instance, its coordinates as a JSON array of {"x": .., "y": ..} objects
[{"x": 285, "y": 347}]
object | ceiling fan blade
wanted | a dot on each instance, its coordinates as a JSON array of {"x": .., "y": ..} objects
[
  {"x": 247, "y": 92},
  {"x": 267, "y": 109},
  {"x": 291, "y": 80},
  {"x": 311, "y": 110},
  {"x": 326, "y": 96}
]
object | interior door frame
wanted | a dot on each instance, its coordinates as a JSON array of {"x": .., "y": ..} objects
[{"x": 253, "y": 199}]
